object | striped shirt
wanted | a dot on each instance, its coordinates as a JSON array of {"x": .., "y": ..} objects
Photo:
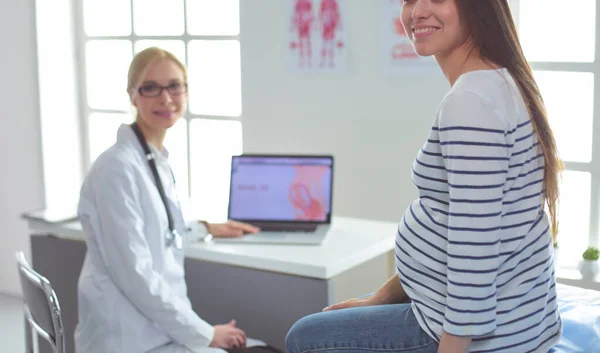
[{"x": 474, "y": 251}]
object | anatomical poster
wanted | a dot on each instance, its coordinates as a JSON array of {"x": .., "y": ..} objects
[
  {"x": 398, "y": 58},
  {"x": 316, "y": 36}
]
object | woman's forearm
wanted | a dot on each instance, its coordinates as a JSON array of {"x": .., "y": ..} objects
[
  {"x": 454, "y": 344},
  {"x": 391, "y": 292}
]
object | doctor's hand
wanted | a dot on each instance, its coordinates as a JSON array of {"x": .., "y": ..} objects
[
  {"x": 228, "y": 336},
  {"x": 231, "y": 229}
]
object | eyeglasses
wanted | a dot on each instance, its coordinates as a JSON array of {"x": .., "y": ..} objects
[{"x": 155, "y": 90}]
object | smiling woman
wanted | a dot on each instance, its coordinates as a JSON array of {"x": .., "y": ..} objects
[
  {"x": 161, "y": 97},
  {"x": 434, "y": 35},
  {"x": 132, "y": 290},
  {"x": 474, "y": 252}
]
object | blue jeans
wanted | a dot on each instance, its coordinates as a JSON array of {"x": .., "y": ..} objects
[{"x": 381, "y": 329}]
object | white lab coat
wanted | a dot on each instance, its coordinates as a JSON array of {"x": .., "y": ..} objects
[{"x": 132, "y": 295}]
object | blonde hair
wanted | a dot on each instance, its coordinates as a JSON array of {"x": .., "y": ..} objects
[{"x": 142, "y": 61}]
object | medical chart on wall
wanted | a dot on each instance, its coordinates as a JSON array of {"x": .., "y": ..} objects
[
  {"x": 398, "y": 58},
  {"x": 316, "y": 36}
]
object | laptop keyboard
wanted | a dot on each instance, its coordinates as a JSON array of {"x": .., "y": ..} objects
[
  {"x": 295, "y": 229},
  {"x": 289, "y": 230}
]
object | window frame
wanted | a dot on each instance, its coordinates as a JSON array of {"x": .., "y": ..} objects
[
  {"x": 81, "y": 39},
  {"x": 592, "y": 167}
]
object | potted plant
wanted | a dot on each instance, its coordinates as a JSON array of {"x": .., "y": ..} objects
[{"x": 588, "y": 267}]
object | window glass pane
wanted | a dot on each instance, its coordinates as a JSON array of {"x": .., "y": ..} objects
[
  {"x": 107, "y": 63},
  {"x": 574, "y": 216},
  {"x": 215, "y": 77},
  {"x": 551, "y": 30},
  {"x": 102, "y": 131},
  {"x": 212, "y": 143},
  {"x": 158, "y": 17},
  {"x": 176, "y": 47},
  {"x": 176, "y": 144},
  {"x": 107, "y": 17},
  {"x": 569, "y": 99},
  {"x": 210, "y": 17},
  {"x": 59, "y": 115}
]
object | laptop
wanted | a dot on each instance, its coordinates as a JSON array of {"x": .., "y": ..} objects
[{"x": 288, "y": 197}]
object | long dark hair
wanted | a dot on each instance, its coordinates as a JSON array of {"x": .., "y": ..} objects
[{"x": 493, "y": 33}]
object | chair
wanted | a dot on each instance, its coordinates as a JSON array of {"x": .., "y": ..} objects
[{"x": 42, "y": 311}]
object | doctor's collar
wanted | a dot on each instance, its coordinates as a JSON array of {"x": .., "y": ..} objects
[{"x": 126, "y": 134}]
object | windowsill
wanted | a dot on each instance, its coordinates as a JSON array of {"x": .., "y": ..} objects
[{"x": 570, "y": 276}]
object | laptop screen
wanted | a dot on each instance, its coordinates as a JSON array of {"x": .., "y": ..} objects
[{"x": 281, "y": 188}]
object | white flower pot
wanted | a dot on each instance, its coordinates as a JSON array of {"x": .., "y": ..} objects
[{"x": 588, "y": 269}]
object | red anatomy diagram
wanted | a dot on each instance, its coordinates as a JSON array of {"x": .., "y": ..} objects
[
  {"x": 306, "y": 193},
  {"x": 306, "y": 206},
  {"x": 305, "y": 24},
  {"x": 401, "y": 50}
]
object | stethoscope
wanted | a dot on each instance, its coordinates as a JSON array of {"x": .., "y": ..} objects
[{"x": 173, "y": 238}]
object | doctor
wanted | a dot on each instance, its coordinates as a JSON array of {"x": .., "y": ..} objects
[{"x": 132, "y": 291}]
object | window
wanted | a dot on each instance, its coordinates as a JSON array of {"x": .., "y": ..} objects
[
  {"x": 204, "y": 35},
  {"x": 59, "y": 115},
  {"x": 566, "y": 69}
]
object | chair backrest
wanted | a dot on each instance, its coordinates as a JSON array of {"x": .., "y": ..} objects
[{"x": 42, "y": 310}]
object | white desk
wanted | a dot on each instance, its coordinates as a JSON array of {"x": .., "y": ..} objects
[{"x": 266, "y": 288}]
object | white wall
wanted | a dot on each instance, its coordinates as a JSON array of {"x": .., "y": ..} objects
[
  {"x": 21, "y": 176},
  {"x": 373, "y": 125}
]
